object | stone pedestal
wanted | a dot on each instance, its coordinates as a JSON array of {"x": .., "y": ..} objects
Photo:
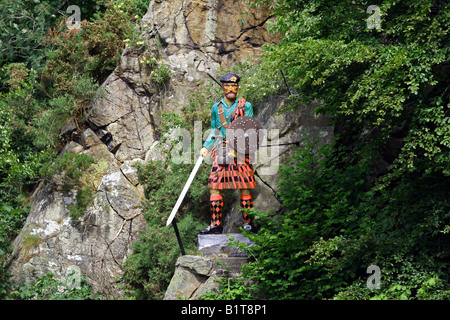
[
  {"x": 197, "y": 275},
  {"x": 221, "y": 244}
]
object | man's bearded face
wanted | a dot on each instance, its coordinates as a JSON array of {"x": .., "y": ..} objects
[{"x": 230, "y": 90}]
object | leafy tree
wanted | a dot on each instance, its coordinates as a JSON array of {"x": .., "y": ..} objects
[{"x": 379, "y": 193}]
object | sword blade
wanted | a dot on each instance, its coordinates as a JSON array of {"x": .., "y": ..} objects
[{"x": 185, "y": 189}]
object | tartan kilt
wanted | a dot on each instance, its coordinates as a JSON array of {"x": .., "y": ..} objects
[{"x": 236, "y": 175}]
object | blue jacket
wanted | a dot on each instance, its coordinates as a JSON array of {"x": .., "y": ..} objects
[{"x": 215, "y": 120}]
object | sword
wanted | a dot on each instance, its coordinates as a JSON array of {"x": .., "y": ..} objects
[{"x": 185, "y": 189}]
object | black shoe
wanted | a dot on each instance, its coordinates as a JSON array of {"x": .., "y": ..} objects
[{"x": 212, "y": 230}]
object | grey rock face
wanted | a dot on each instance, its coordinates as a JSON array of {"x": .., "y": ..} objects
[
  {"x": 95, "y": 244},
  {"x": 191, "y": 273}
]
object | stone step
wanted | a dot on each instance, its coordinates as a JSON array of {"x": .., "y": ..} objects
[
  {"x": 218, "y": 244},
  {"x": 228, "y": 266}
]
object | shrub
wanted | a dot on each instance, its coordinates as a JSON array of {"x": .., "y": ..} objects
[
  {"x": 151, "y": 265},
  {"x": 336, "y": 225},
  {"x": 49, "y": 288},
  {"x": 378, "y": 195}
]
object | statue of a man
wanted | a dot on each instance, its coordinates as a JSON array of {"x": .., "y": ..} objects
[{"x": 236, "y": 172}]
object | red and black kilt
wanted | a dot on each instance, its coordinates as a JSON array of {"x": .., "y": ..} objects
[{"x": 236, "y": 175}]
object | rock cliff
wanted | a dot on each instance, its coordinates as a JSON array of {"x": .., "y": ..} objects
[{"x": 194, "y": 37}]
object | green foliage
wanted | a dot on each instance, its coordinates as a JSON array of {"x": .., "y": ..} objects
[
  {"x": 20, "y": 163},
  {"x": 160, "y": 74},
  {"x": 11, "y": 221},
  {"x": 49, "y": 288},
  {"x": 74, "y": 167},
  {"x": 151, "y": 265},
  {"x": 49, "y": 75},
  {"x": 44, "y": 95},
  {"x": 200, "y": 103},
  {"x": 379, "y": 194},
  {"x": 335, "y": 226},
  {"x": 74, "y": 170},
  {"x": 157, "y": 71},
  {"x": 22, "y": 25},
  {"x": 367, "y": 78},
  {"x": 50, "y": 122},
  {"x": 84, "y": 198},
  {"x": 94, "y": 49}
]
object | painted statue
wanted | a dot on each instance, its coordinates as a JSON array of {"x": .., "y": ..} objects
[{"x": 230, "y": 170}]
